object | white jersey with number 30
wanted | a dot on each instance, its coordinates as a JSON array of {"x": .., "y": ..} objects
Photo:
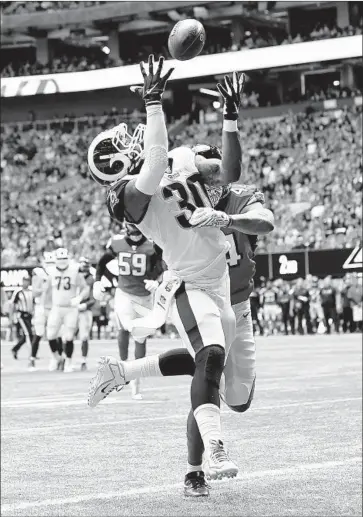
[
  {"x": 65, "y": 284},
  {"x": 190, "y": 252}
]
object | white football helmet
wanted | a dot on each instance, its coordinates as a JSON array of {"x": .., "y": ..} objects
[
  {"x": 115, "y": 153},
  {"x": 61, "y": 258}
]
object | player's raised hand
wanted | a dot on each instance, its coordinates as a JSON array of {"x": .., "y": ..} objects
[
  {"x": 209, "y": 217},
  {"x": 231, "y": 94},
  {"x": 154, "y": 84}
]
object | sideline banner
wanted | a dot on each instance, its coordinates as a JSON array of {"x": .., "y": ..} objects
[{"x": 212, "y": 64}]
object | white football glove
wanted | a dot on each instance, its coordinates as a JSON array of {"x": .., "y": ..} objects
[
  {"x": 98, "y": 291},
  {"x": 151, "y": 285},
  {"x": 209, "y": 217}
]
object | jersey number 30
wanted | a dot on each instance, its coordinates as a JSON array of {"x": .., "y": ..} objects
[
  {"x": 132, "y": 264},
  {"x": 188, "y": 197}
]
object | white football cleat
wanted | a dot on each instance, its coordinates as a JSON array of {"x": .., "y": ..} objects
[
  {"x": 53, "y": 365},
  {"x": 110, "y": 376},
  {"x": 135, "y": 389},
  {"x": 68, "y": 367},
  {"x": 216, "y": 462}
]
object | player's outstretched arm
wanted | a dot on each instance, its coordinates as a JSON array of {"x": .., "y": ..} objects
[
  {"x": 156, "y": 136},
  {"x": 97, "y": 289},
  {"x": 254, "y": 219},
  {"x": 231, "y": 144}
]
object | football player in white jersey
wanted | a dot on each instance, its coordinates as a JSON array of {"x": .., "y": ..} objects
[
  {"x": 160, "y": 201},
  {"x": 67, "y": 287},
  {"x": 42, "y": 303}
]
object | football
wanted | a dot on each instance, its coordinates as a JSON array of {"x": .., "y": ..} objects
[{"x": 186, "y": 40}]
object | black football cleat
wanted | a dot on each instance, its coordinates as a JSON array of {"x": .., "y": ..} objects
[
  {"x": 83, "y": 367},
  {"x": 15, "y": 353},
  {"x": 195, "y": 485}
]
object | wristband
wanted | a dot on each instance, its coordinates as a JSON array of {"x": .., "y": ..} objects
[{"x": 230, "y": 125}]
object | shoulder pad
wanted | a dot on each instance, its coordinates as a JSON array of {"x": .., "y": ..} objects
[{"x": 241, "y": 190}]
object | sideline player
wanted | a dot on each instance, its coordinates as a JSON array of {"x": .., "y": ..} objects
[
  {"x": 85, "y": 316},
  {"x": 21, "y": 311},
  {"x": 160, "y": 201},
  {"x": 139, "y": 268},
  {"x": 270, "y": 307},
  {"x": 42, "y": 303},
  {"x": 68, "y": 287}
]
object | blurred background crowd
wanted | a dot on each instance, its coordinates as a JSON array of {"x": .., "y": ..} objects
[{"x": 299, "y": 163}]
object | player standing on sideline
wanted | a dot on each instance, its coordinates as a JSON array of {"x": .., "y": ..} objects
[
  {"x": 21, "y": 310},
  {"x": 328, "y": 297},
  {"x": 160, "y": 201},
  {"x": 42, "y": 304},
  {"x": 271, "y": 309},
  {"x": 255, "y": 301},
  {"x": 302, "y": 306},
  {"x": 68, "y": 287},
  {"x": 85, "y": 316},
  {"x": 285, "y": 302},
  {"x": 139, "y": 268}
]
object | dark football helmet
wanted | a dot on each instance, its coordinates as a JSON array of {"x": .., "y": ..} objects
[
  {"x": 132, "y": 232},
  {"x": 207, "y": 151},
  {"x": 115, "y": 153}
]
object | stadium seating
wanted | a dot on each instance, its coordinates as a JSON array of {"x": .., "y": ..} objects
[
  {"x": 97, "y": 60},
  {"x": 308, "y": 166}
]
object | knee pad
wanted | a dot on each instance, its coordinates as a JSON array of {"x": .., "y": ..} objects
[
  {"x": 243, "y": 407},
  {"x": 210, "y": 362}
]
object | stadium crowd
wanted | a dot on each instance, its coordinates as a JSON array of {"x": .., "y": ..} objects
[
  {"x": 34, "y": 7},
  {"x": 95, "y": 59},
  {"x": 300, "y": 163}
]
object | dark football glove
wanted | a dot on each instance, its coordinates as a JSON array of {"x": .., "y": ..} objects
[
  {"x": 154, "y": 84},
  {"x": 232, "y": 95}
]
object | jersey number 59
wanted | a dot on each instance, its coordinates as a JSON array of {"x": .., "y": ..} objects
[{"x": 132, "y": 264}]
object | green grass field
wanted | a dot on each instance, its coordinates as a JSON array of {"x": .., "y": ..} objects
[{"x": 298, "y": 447}]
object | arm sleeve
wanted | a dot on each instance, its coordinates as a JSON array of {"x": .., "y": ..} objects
[
  {"x": 156, "y": 151},
  {"x": 231, "y": 157},
  {"x": 102, "y": 263}
]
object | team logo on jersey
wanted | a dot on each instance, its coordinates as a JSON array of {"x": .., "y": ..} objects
[{"x": 112, "y": 198}]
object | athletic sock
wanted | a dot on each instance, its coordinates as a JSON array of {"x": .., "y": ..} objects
[
  {"x": 145, "y": 367},
  {"x": 123, "y": 339},
  {"x": 53, "y": 343},
  {"x": 193, "y": 468},
  {"x": 168, "y": 364},
  {"x": 35, "y": 345},
  {"x": 69, "y": 349},
  {"x": 208, "y": 417},
  {"x": 84, "y": 349}
]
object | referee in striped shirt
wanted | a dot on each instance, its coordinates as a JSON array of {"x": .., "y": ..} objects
[{"x": 21, "y": 311}]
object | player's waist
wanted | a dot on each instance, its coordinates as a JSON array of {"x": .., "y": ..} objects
[
  {"x": 202, "y": 268},
  {"x": 137, "y": 288}
]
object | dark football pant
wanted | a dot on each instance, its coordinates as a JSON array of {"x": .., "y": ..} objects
[
  {"x": 25, "y": 323},
  {"x": 330, "y": 312}
]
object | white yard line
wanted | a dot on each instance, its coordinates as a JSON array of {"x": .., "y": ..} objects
[
  {"x": 156, "y": 489},
  {"x": 126, "y": 421}
]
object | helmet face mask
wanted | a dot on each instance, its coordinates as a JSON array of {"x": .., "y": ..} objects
[{"x": 115, "y": 153}]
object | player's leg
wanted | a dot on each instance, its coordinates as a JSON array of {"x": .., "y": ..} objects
[
  {"x": 84, "y": 330},
  {"x": 21, "y": 338},
  {"x": 70, "y": 328},
  {"x": 112, "y": 374},
  {"x": 194, "y": 482},
  {"x": 54, "y": 323},
  {"x": 238, "y": 381},
  {"x": 123, "y": 340},
  {"x": 198, "y": 321}
]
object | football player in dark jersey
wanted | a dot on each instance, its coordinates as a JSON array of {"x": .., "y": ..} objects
[{"x": 139, "y": 269}]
